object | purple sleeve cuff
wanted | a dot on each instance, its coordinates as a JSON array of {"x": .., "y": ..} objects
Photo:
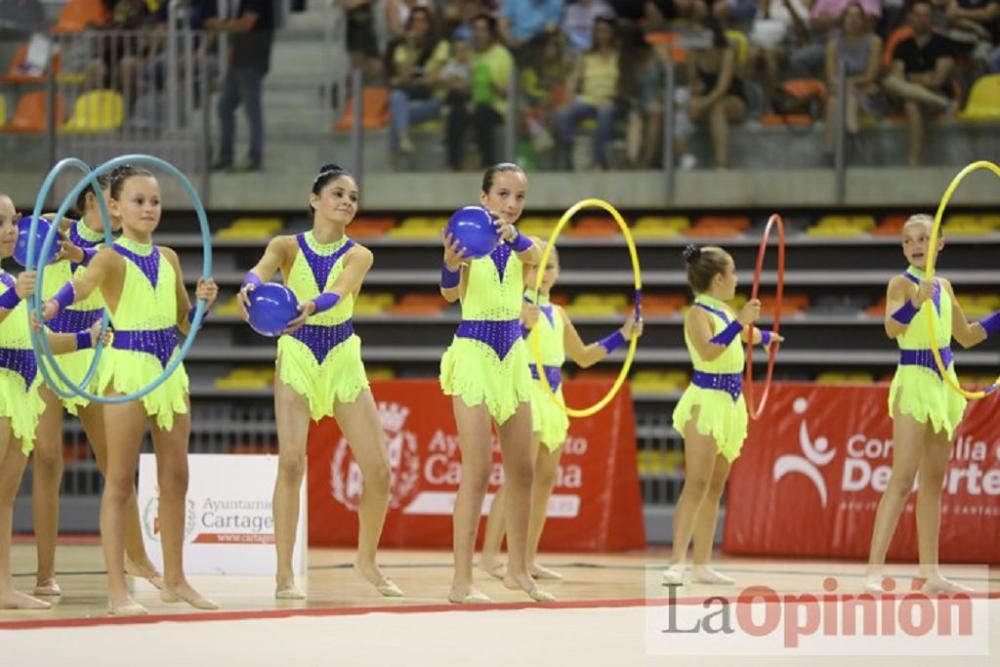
[
  {"x": 991, "y": 323},
  {"x": 88, "y": 255},
  {"x": 251, "y": 278},
  {"x": 765, "y": 337},
  {"x": 84, "y": 341},
  {"x": 525, "y": 332},
  {"x": 449, "y": 278},
  {"x": 10, "y": 299},
  {"x": 905, "y": 313},
  {"x": 727, "y": 335},
  {"x": 520, "y": 243},
  {"x": 612, "y": 342},
  {"x": 325, "y": 302},
  {"x": 65, "y": 296}
]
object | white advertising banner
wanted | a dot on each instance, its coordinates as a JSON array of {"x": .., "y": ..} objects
[{"x": 229, "y": 525}]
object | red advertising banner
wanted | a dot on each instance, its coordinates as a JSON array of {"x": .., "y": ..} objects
[
  {"x": 816, "y": 464},
  {"x": 596, "y": 504}
]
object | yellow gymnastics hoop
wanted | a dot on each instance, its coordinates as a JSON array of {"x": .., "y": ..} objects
[
  {"x": 536, "y": 347},
  {"x": 931, "y": 259}
]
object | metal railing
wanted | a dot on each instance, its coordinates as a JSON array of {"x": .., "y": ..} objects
[{"x": 145, "y": 91}]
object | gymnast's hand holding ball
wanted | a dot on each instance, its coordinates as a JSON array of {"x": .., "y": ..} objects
[
  {"x": 243, "y": 300},
  {"x": 306, "y": 310},
  {"x": 507, "y": 230},
  {"x": 454, "y": 253}
]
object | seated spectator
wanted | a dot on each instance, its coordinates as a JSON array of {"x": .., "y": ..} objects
[
  {"x": 412, "y": 65},
  {"x": 592, "y": 90},
  {"x": 523, "y": 20},
  {"x": 122, "y": 57},
  {"x": 651, "y": 15},
  {"x": 544, "y": 69},
  {"x": 737, "y": 13},
  {"x": 456, "y": 76},
  {"x": 921, "y": 76},
  {"x": 578, "y": 22},
  {"x": 457, "y": 17},
  {"x": 975, "y": 22},
  {"x": 397, "y": 15},
  {"x": 717, "y": 95},
  {"x": 779, "y": 26},
  {"x": 643, "y": 80},
  {"x": 824, "y": 19},
  {"x": 491, "y": 70},
  {"x": 860, "y": 50},
  {"x": 205, "y": 58}
]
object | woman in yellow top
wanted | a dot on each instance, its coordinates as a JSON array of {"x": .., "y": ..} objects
[
  {"x": 485, "y": 371},
  {"x": 924, "y": 409},
  {"x": 556, "y": 336},
  {"x": 319, "y": 370},
  {"x": 82, "y": 237},
  {"x": 414, "y": 64},
  {"x": 143, "y": 288},
  {"x": 712, "y": 414},
  {"x": 20, "y": 402},
  {"x": 592, "y": 92}
]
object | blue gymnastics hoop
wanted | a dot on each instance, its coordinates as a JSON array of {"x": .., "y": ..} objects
[
  {"x": 39, "y": 341},
  {"x": 32, "y": 258}
]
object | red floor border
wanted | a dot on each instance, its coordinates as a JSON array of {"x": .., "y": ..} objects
[{"x": 37, "y": 623}]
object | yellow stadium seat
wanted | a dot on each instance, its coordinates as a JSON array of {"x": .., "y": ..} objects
[
  {"x": 991, "y": 220},
  {"x": 273, "y": 225},
  {"x": 649, "y": 382},
  {"x": 96, "y": 111},
  {"x": 537, "y": 226},
  {"x": 229, "y": 308},
  {"x": 374, "y": 303},
  {"x": 842, "y": 226},
  {"x": 251, "y": 228},
  {"x": 984, "y": 100},
  {"x": 3, "y": 111},
  {"x": 246, "y": 378},
  {"x": 655, "y": 226},
  {"x": 419, "y": 227},
  {"x": 966, "y": 225},
  {"x": 380, "y": 373}
]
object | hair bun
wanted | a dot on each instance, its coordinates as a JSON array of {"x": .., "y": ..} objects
[
  {"x": 691, "y": 253},
  {"x": 330, "y": 166}
]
